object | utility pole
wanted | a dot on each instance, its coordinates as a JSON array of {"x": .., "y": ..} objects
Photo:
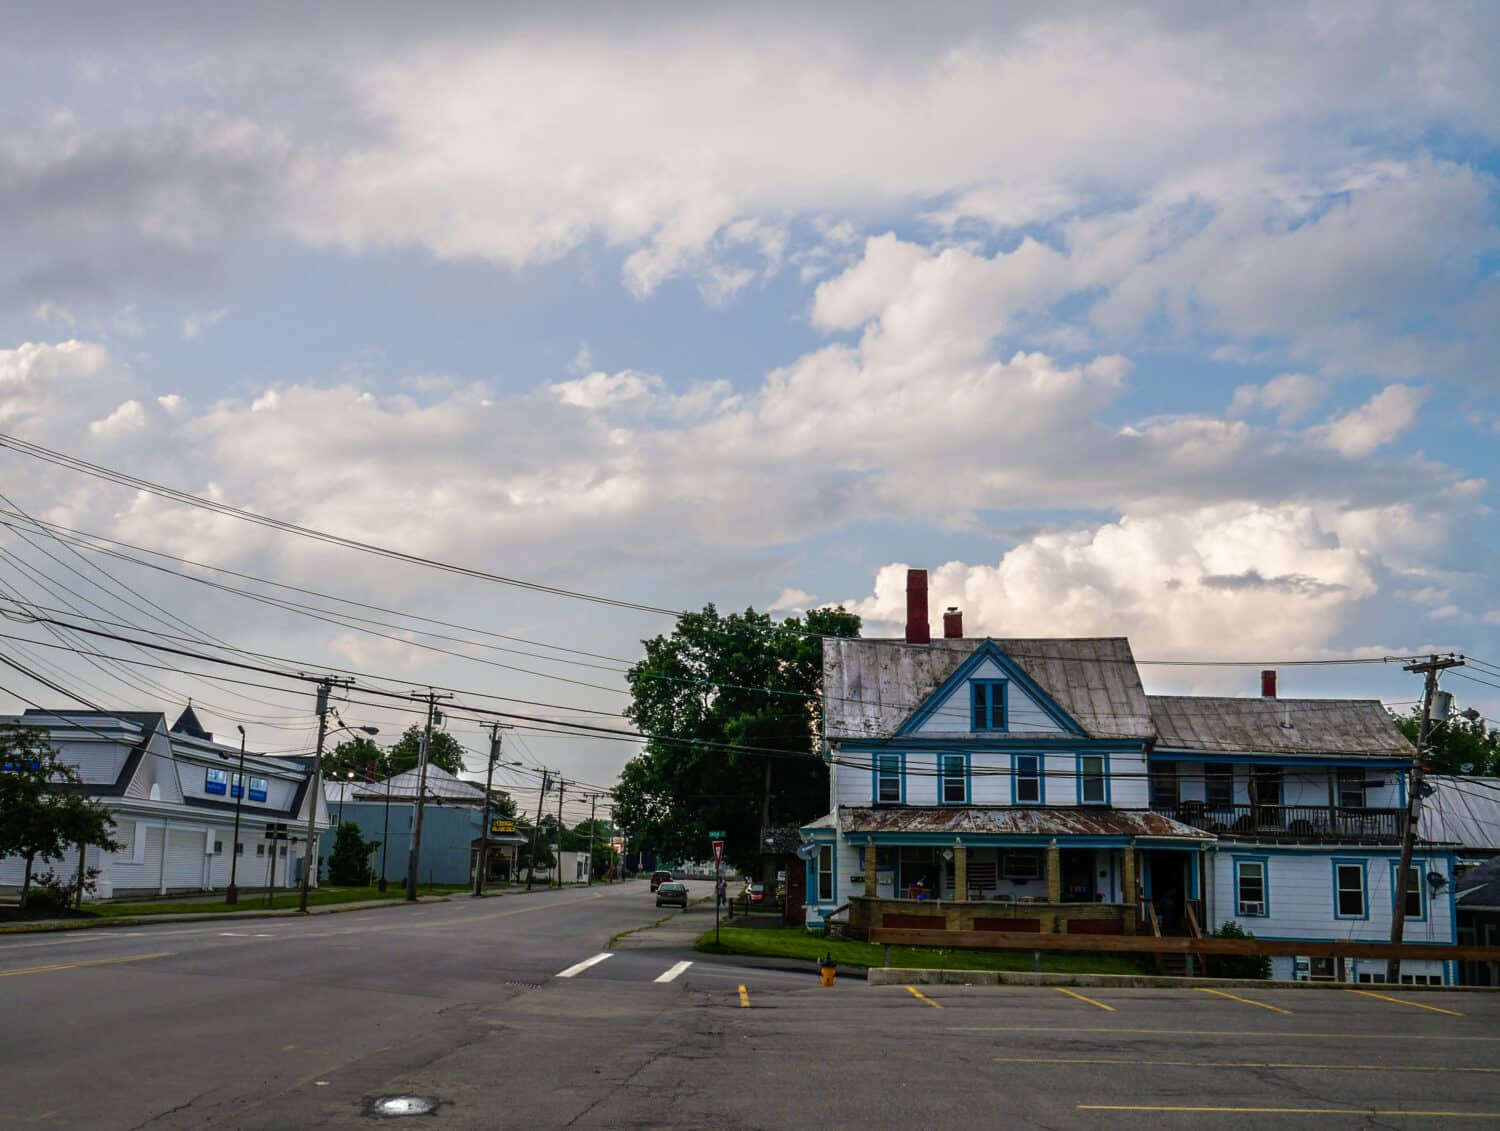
[
  {"x": 1430, "y": 667},
  {"x": 558, "y": 854},
  {"x": 593, "y": 801},
  {"x": 232, "y": 892},
  {"x": 489, "y": 781},
  {"x": 415, "y": 858},
  {"x": 315, "y": 787},
  {"x": 536, "y": 829}
]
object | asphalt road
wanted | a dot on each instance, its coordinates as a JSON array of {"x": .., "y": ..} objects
[{"x": 503, "y": 1011}]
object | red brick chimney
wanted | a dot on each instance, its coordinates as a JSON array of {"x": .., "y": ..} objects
[
  {"x": 917, "y": 629},
  {"x": 953, "y": 623},
  {"x": 1268, "y": 684}
]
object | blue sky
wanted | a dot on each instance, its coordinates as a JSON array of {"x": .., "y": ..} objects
[{"x": 1176, "y": 322}]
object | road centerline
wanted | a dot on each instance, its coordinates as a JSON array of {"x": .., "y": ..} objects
[{"x": 87, "y": 962}]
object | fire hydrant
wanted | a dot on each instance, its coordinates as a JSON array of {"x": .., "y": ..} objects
[{"x": 829, "y": 969}]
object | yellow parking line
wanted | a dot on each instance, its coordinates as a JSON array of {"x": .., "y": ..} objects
[
  {"x": 90, "y": 962},
  {"x": 1293, "y": 1111},
  {"x": 744, "y": 998},
  {"x": 920, "y": 996},
  {"x": 1236, "y": 997},
  {"x": 1403, "y": 1001},
  {"x": 1080, "y": 997},
  {"x": 1285, "y": 1066}
]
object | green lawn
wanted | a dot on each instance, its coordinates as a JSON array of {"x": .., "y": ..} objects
[
  {"x": 256, "y": 901},
  {"x": 800, "y": 944}
]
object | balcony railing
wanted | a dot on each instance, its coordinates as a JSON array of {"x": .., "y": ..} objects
[{"x": 1313, "y": 823}]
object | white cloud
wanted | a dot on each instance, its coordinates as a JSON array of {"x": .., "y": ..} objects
[
  {"x": 128, "y": 418},
  {"x": 1291, "y": 395},
  {"x": 791, "y": 601},
  {"x": 194, "y": 325},
  {"x": 1375, "y": 423},
  {"x": 597, "y": 390},
  {"x": 55, "y": 314}
]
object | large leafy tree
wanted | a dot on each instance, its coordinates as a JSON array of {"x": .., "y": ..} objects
[
  {"x": 42, "y": 812},
  {"x": 1458, "y": 746},
  {"x": 353, "y": 756},
  {"x": 731, "y": 707},
  {"x": 445, "y": 752}
]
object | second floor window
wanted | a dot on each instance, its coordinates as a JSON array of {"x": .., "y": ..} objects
[
  {"x": 1091, "y": 789},
  {"x": 1026, "y": 773},
  {"x": 954, "y": 779},
  {"x": 1163, "y": 779},
  {"x": 888, "y": 779},
  {"x": 1218, "y": 785},
  {"x": 217, "y": 781},
  {"x": 988, "y": 704},
  {"x": 1351, "y": 785}
]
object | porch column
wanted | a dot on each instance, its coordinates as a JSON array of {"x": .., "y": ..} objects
[
  {"x": 1054, "y": 872},
  {"x": 870, "y": 878},
  {"x": 960, "y": 869},
  {"x": 1127, "y": 880}
]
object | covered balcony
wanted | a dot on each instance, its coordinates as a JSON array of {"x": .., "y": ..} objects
[{"x": 1304, "y": 824}]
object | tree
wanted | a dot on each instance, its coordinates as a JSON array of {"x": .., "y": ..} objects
[
  {"x": 445, "y": 753},
  {"x": 350, "y": 861},
  {"x": 1458, "y": 746},
  {"x": 577, "y": 839},
  {"x": 727, "y": 700},
  {"x": 354, "y": 755},
  {"x": 42, "y": 812}
]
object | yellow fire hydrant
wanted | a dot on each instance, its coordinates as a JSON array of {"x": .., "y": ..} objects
[{"x": 828, "y": 969}]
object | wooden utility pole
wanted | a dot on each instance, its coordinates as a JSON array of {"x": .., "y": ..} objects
[
  {"x": 1430, "y": 667},
  {"x": 593, "y": 802},
  {"x": 483, "y": 864},
  {"x": 536, "y": 829},
  {"x": 315, "y": 787},
  {"x": 414, "y": 860},
  {"x": 557, "y": 865}
]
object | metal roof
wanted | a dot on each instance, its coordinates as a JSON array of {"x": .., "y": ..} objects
[
  {"x": 1027, "y": 821},
  {"x": 870, "y": 687},
  {"x": 1354, "y": 727},
  {"x": 441, "y": 786},
  {"x": 1463, "y": 811}
]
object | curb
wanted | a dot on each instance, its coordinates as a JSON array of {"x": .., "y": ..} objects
[
  {"x": 54, "y": 926},
  {"x": 898, "y": 976}
]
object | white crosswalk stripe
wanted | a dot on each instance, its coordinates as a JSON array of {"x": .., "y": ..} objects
[
  {"x": 579, "y": 968},
  {"x": 673, "y": 972}
]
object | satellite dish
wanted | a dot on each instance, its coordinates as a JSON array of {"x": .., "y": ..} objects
[{"x": 807, "y": 851}]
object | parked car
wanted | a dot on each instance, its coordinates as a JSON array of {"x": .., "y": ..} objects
[
  {"x": 673, "y": 891},
  {"x": 659, "y": 878},
  {"x": 755, "y": 893}
]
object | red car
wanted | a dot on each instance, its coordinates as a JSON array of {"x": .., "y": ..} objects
[
  {"x": 755, "y": 893},
  {"x": 659, "y": 878}
]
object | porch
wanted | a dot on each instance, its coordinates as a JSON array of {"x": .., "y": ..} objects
[
  {"x": 1028, "y": 914},
  {"x": 1310, "y": 824}
]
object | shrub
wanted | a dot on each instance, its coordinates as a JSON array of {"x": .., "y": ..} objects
[
  {"x": 349, "y": 863},
  {"x": 1238, "y": 965}
]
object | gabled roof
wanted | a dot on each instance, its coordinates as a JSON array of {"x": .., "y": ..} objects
[
  {"x": 441, "y": 786},
  {"x": 1463, "y": 811},
  {"x": 1480, "y": 887},
  {"x": 870, "y": 687},
  {"x": 146, "y": 722},
  {"x": 1229, "y": 724}
]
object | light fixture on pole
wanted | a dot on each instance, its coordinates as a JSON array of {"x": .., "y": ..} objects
[{"x": 232, "y": 892}]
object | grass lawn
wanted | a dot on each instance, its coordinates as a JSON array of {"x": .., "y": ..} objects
[
  {"x": 800, "y": 944},
  {"x": 256, "y": 901}
]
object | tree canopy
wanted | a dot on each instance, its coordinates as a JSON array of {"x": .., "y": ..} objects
[
  {"x": 42, "y": 814},
  {"x": 445, "y": 752},
  {"x": 1458, "y": 746},
  {"x": 722, "y": 698},
  {"x": 353, "y": 756}
]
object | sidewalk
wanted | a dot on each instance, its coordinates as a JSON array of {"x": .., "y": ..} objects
[
  {"x": 42, "y": 926},
  {"x": 676, "y": 929}
]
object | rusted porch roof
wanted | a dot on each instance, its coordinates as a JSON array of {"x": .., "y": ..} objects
[{"x": 1017, "y": 822}]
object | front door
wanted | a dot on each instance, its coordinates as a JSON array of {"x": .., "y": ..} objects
[
  {"x": 1078, "y": 875},
  {"x": 1168, "y": 887}
]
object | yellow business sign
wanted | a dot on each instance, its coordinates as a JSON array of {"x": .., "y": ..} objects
[{"x": 502, "y": 825}]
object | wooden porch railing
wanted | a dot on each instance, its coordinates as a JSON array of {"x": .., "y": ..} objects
[
  {"x": 1312, "y": 823},
  {"x": 1195, "y": 930}
]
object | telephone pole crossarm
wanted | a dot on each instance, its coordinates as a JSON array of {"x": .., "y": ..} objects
[{"x": 315, "y": 786}]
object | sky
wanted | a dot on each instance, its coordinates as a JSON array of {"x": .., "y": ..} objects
[{"x": 1177, "y": 321}]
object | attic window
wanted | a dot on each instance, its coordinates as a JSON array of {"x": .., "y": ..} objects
[{"x": 988, "y": 704}]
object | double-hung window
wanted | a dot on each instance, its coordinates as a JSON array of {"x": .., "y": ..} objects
[
  {"x": 1416, "y": 903},
  {"x": 216, "y": 781},
  {"x": 1250, "y": 886},
  {"x": 1162, "y": 777},
  {"x": 1092, "y": 783},
  {"x": 1026, "y": 778},
  {"x": 888, "y": 779},
  {"x": 988, "y": 704},
  {"x": 1351, "y": 787},
  {"x": 1349, "y": 891},
  {"x": 954, "y": 779},
  {"x": 1218, "y": 785},
  {"x": 825, "y": 874}
]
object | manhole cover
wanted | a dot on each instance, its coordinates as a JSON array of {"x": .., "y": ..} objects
[{"x": 403, "y": 1105}]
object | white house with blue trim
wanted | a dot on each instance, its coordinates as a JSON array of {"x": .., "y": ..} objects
[{"x": 1032, "y": 785}]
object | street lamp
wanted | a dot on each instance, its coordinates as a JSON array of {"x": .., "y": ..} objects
[
  {"x": 349, "y": 775},
  {"x": 232, "y": 893}
]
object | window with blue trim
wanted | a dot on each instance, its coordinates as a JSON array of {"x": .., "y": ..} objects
[
  {"x": 258, "y": 787},
  {"x": 1349, "y": 891},
  {"x": 888, "y": 779},
  {"x": 1093, "y": 772},
  {"x": 954, "y": 780},
  {"x": 1416, "y": 896},
  {"x": 1026, "y": 778},
  {"x": 825, "y": 873},
  {"x": 1250, "y": 887},
  {"x": 216, "y": 781},
  {"x": 988, "y": 704}
]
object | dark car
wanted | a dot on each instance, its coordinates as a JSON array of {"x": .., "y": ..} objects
[
  {"x": 659, "y": 878},
  {"x": 670, "y": 892}
]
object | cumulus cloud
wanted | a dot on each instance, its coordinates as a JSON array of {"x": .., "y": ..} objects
[
  {"x": 1377, "y": 422},
  {"x": 194, "y": 325},
  {"x": 1291, "y": 396},
  {"x": 130, "y": 417}
]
